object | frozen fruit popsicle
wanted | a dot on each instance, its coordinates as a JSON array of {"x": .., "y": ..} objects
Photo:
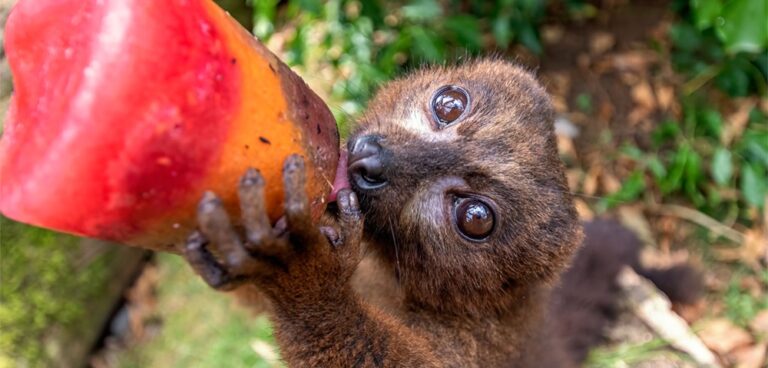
[{"x": 126, "y": 111}]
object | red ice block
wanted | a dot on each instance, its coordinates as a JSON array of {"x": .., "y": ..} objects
[{"x": 126, "y": 111}]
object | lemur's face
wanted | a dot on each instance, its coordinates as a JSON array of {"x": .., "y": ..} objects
[{"x": 458, "y": 174}]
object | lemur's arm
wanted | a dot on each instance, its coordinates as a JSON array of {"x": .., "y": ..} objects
[
  {"x": 305, "y": 271},
  {"x": 344, "y": 331}
]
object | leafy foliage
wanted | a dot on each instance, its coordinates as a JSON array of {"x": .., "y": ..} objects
[
  {"x": 363, "y": 43},
  {"x": 740, "y": 306},
  {"x": 693, "y": 159},
  {"x": 725, "y": 41},
  {"x": 627, "y": 354},
  {"x": 230, "y": 337},
  {"x": 699, "y": 157},
  {"x": 371, "y": 41},
  {"x": 42, "y": 285}
]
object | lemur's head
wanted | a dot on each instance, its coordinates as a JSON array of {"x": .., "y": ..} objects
[{"x": 459, "y": 178}]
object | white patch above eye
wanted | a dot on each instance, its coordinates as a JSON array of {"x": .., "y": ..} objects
[{"x": 421, "y": 126}]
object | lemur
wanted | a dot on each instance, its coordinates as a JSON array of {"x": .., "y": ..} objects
[{"x": 445, "y": 248}]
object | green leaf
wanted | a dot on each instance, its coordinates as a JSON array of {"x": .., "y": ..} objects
[
  {"x": 656, "y": 167},
  {"x": 706, "y": 12},
  {"x": 373, "y": 10},
  {"x": 466, "y": 30},
  {"x": 712, "y": 122},
  {"x": 502, "y": 32},
  {"x": 734, "y": 79},
  {"x": 632, "y": 151},
  {"x": 530, "y": 39},
  {"x": 674, "y": 180},
  {"x": 314, "y": 7},
  {"x": 759, "y": 152},
  {"x": 753, "y": 186},
  {"x": 297, "y": 47},
  {"x": 584, "y": 102},
  {"x": 666, "y": 131},
  {"x": 761, "y": 62},
  {"x": 722, "y": 166},
  {"x": 426, "y": 44},
  {"x": 387, "y": 61},
  {"x": 685, "y": 37},
  {"x": 264, "y": 13},
  {"x": 713, "y": 196},
  {"x": 630, "y": 190},
  {"x": 422, "y": 10},
  {"x": 743, "y": 26},
  {"x": 693, "y": 177}
]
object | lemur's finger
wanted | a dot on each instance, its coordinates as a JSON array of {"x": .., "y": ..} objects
[
  {"x": 215, "y": 225},
  {"x": 205, "y": 265},
  {"x": 297, "y": 213},
  {"x": 350, "y": 220},
  {"x": 260, "y": 236},
  {"x": 252, "y": 209}
]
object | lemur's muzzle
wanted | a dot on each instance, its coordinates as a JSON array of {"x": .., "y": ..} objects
[{"x": 366, "y": 162}]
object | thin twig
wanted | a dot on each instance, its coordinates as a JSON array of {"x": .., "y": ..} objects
[
  {"x": 700, "y": 219},
  {"x": 701, "y": 79},
  {"x": 651, "y": 306}
]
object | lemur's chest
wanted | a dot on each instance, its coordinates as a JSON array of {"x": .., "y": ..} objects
[{"x": 377, "y": 285}]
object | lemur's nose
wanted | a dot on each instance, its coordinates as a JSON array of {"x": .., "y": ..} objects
[{"x": 366, "y": 164}]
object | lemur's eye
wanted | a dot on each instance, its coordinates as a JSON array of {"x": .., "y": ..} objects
[
  {"x": 474, "y": 218},
  {"x": 449, "y": 104}
]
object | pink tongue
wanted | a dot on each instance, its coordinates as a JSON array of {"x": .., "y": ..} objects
[{"x": 342, "y": 178}]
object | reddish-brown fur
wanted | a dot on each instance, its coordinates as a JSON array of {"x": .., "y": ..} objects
[
  {"x": 415, "y": 293},
  {"x": 477, "y": 304}
]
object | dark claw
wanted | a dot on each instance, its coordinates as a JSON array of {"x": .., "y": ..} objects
[
  {"x": 215, "y": 225},
  {"x": 252, "y": 209},
  {"x": 297, "y": 213},
  {"x": 294, "y": 180},
  {"x": 350, "y": 221},
  {"x": 349, "y": 206},
  {"x": 332, "y": 235},
  {"x": 274, "y": 258},
  {"x": 252, "y": 177},
  {"x": 205, "y": 264}
]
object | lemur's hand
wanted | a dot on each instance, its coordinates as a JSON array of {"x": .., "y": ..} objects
[{"x": 294, "y": 261}]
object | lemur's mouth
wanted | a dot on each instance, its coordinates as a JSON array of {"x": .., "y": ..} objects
[{"x": 342, "y": 177}]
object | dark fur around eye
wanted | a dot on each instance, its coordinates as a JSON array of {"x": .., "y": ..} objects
[
  {"x": 474, "y": 219},
  {"x": 449, "y": 104}
]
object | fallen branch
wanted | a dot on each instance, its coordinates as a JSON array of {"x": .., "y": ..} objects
[
  {"x": 700, "y": 219},
  {"x": 653, "y": 307}
]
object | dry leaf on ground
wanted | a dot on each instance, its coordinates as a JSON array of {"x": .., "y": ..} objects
[
  {"x": 722, "y": 336},
  {"x": 582, "y": 208},
  {"x": 642, "y": 95},
  {"x": 636, "y": 60},
  {"x": 749, "y": 356},
  {"x": 552, "y": 34},
  {"x": 590, "y": 180},
  {"x": 265, "y": 351},
  {"x": 601, "y": 42},
  {"x": 634, "y": 219},
  {"x": 666, "y": 96},
  {"x": 752, "y": 249},
  {"x": 654, "y": 308},
  {"x": 609, "y": 183},
  {"x": 737, "y": 121},
  {"x": 759, "y": 324}
]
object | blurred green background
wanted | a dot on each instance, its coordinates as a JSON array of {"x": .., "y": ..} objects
[{"x": 664, "y": 108}]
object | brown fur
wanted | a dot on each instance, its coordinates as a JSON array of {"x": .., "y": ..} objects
[
  {"x": 423, "y": 295},
  {"x": 478, "y": 304}
]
